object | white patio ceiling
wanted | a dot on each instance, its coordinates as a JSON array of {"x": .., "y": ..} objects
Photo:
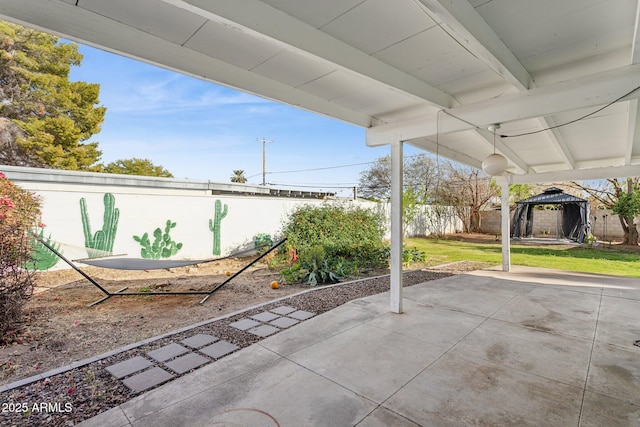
[{"x": 403, "y": 69}]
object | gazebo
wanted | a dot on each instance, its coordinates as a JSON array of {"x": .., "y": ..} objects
[{"x": 573, "y": 222}]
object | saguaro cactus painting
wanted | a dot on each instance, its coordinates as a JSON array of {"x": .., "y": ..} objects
[
  {"x": 214, "y": 225},
  {"x": 102, "y": 240}
]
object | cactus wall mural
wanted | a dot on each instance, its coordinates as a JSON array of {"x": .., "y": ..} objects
[
  {"x": 162, "y": 247},
  {"x": 214, "y": 225},
  {"x": 102, "y": 240},
  {"x": 41, "y": 257}
]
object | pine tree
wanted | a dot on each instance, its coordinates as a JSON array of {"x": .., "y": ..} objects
[{"x": 48, "y": 118}]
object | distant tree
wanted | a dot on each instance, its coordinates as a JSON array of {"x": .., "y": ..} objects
[
  {"x": 420, "y": 175},
  {"x": 622, "y": 196},
  {"x": 47, "y": 118},
  {"x": 468, "y": 191},
  {"x": 135, "y": 166},
  {"x": 238, "y": 176},
  {"x": 519, "y": 192}
]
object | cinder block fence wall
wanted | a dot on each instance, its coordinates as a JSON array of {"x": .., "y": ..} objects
[
  {"x": 113, "y": 212},
  {"x": 89, "y": 214},
  {"x": 546, "y": 222}
]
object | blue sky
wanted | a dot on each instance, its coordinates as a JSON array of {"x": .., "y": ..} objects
[{"x": 200, "y": 130}]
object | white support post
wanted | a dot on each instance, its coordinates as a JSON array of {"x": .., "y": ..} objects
[
  {"x": 506, "y": 219},
  {"x": 396, "y": 227}
]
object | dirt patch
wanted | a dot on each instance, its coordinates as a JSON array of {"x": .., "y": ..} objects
[{"x": 60, "y": 327}]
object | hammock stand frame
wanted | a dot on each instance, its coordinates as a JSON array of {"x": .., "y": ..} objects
[{"x": 121, "y": 293}]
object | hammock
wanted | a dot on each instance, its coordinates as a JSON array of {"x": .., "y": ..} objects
[
  {"x": 138, "y": 263},
  {"x": 146, "y": 264},
  {"x": 118, "y": 262}
]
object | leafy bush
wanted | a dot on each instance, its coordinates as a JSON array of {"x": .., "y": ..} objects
[
  {"x": 19, "y": 213},
  {"x": 412, "y": 255},
  {"x": 332, "y": 241}
]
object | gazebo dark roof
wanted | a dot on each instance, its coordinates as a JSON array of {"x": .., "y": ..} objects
[{"x": 552, "y": 195}]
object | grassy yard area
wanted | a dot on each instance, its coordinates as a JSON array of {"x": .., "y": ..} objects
[{"x": 601, "y": 260}]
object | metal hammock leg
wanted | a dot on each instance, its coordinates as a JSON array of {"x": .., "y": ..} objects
[
  {"x": 242, "y": 270},
  {"x": 75, "y": 267}
]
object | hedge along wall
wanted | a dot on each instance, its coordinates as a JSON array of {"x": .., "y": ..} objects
[{"x": 116, "y": 208}]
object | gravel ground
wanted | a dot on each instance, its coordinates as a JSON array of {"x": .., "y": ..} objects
[{"x": 84, "y": 392}]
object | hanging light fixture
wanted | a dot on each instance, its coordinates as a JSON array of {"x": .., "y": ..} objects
[{"x": 495, "y": 164}]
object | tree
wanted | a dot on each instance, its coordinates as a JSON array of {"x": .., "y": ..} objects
[
  {"x": 468, "y": 191},
  {"x": 54, "y": 117},
  {"x": 622, "y": 196},
  {"x": 420, "y": 175},
  {"x": 519, "y": 192},
  {"x": 238, "y": 176},
  {"x": 136, "y": 166}
]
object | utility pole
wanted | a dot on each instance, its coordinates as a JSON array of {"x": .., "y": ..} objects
[{"x": 264, "y": 158}]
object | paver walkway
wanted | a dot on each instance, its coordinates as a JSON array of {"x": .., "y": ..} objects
[{"x": 158, "y": 366}]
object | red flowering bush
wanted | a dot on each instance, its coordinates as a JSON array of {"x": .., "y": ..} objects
[{"x": 19, "y": 213}]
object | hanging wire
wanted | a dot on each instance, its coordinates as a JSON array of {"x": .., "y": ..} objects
[
  {"x": 551, "y": 127},
  {"x": 574, "y": 120},
  {"x": 437, "y": 156}
]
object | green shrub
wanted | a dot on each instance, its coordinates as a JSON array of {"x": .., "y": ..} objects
[
  {"x": 333, "y": 241},
  {"x": 412, "y": 255},
  {"x": 19, "y": 214}
]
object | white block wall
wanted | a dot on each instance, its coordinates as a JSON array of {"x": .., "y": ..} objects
[{"x": 147, "y": 203}]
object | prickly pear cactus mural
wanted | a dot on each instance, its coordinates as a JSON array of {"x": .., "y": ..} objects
[
  {"x": 162, "y": 247},
  {"x": 41, "y": 257},
  {"x": 214, "y": 225},
  {"x": 102, "y": 240}
]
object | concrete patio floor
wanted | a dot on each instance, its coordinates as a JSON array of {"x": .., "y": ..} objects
[{"x": 532, "y": 347}]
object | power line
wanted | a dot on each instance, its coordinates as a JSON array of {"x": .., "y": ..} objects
[
  {"x": 333, "y": 167},
  {"x": 312, "y": 186},
  {"x": 323, "y": 168}
]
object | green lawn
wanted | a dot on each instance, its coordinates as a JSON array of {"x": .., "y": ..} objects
[{"x": 602, "y": 260}]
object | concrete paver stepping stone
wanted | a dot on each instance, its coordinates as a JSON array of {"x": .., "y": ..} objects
[
  {"x": 199, "y": 340},
  {"x": 265, "y": 316},
  {"x": 219, "y": 349},
  {"x": 283, "y": 310},
  {"x": 301, "y": 315},
  {"x": 147, "y": 379},
  {"x": 129, "y": 366},
  {"x": 284, "y": 322},
  {"x": 186, "y": 363},
  {"x": 264, "y": 330},
  {"x": 244, "y": 324},
  {"x": 167, "y": 352}
]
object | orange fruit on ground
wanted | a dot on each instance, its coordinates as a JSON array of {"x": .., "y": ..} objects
[
  {"x": 275, "y": 285},
  {"x": 228, "y": 273}
]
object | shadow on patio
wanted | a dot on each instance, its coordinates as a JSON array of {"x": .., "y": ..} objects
[{"x": 532, "y": 347}]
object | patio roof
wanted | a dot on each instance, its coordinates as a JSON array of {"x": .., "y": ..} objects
[
  {"x": 432, "y": 73},
  {"x": 561, "y": 77}
]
